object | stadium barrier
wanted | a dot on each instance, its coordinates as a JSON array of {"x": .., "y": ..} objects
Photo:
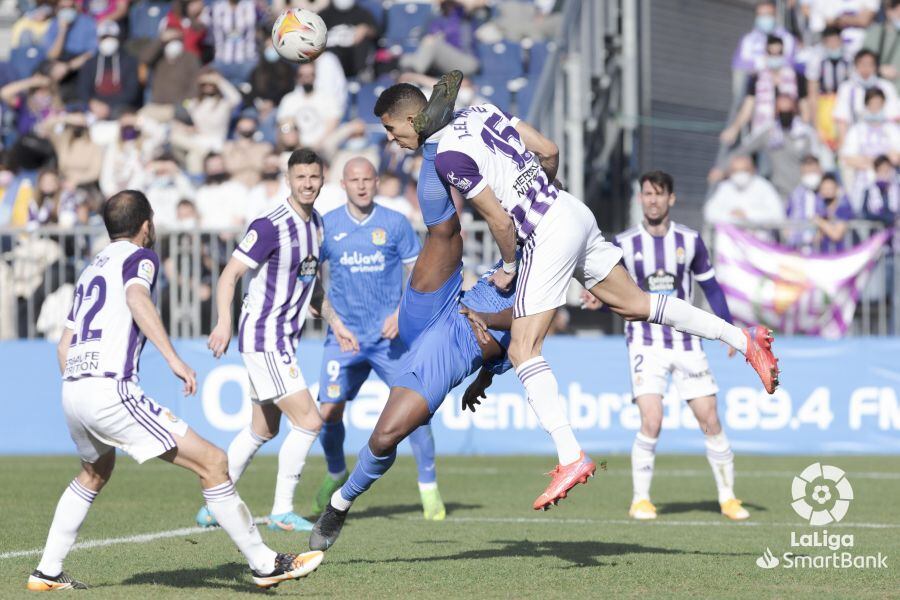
[{"x": 837, "y": 397}]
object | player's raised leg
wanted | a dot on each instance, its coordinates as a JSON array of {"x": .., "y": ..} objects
[
  {"x": 643, "y": 455},
  {"x": 719, "y": 455}
]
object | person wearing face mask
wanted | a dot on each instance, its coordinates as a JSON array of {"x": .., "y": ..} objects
[
  {"x": 165, "y": 185},
  {"x": 244, "y": 154},
  {"x": 881, "y": 201},
  {"x": 750, "y": 53},
  {"x": 112, "y": 74},
  {"x": 884, "y": 40},
  {"x": 778, "y": 77},
  {"x": 271, "y": 189},
  {"x": 124, "y": 158},
  {"x": 351, "y": 34},
  {"x": 849, "y": 107},
  {"x": 221, "y": 200},
  {"x": 868, "y": 139},
  {"x": 833, "y": 210},
  {"x": 210, "y": 114},
  {"x": 272, "y": 78},
  {"x": 78, "y": 157},
  {"x": 70, "y": 34},
  {"x": 32, "y": 100},
  {"x": 851, "y": 16},
  {"x": 174, "y": 70},
  {"x": 825, "y": 72},
  {"x": 189, "y": 17},
  {"x": 316, "y": 112},
  {"x": 744, "y": 197}
]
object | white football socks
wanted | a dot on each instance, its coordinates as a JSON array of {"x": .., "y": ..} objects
[
  {"x": 234, "y": 517},
  {"x": 339, "y": 502},
  {"x": 721, "y": 459},
  {"x": 643, "y": 457},
  {"x": 291, "y": 459},
  {"x": 71, "y": 511},
  {"x": 543, "y": 395},
  {"x": 683, "y": 316},
  {"x": 241, "y": 451}
]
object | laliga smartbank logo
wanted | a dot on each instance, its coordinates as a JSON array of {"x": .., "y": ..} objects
[{"x": 821, "y": 495}]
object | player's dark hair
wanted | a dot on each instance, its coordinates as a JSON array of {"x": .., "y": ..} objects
[
  {"x": 660, "y": 180},
  {"x": 398, "y": 97},
  {"x": 882, "y": 159},
  {"x": 305, "y": 156},
  {"x": 873, "y": 92},
  {"x": 125, "y": 212},
  {"x": 864, "y": 53}
]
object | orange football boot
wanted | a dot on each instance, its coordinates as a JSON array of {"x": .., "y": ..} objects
[
  {"x": 565, "y": 477},
  {"x": 759, "y": 356}
]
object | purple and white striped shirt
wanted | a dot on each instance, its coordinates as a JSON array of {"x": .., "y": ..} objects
[
  {"x": 234, "y": 31},
  {"x": 664, "y": 265},
  {"x": 107, "y": 341},
  {"x": 480, "y": 148},
  {"x": 283, "y": 251}
]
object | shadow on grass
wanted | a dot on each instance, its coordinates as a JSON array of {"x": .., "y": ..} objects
[
  {"x": 674, "y": 508},
  {"x": 230, "y": 576},
  {"x": 576, "y": 553},
  {"x": 405, "y": 509}
]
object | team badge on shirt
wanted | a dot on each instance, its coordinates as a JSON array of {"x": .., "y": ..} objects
[
  {"x": 679, "y": 256},
  {"x": 293, "y": 372},
  {"x": 146, "y": 270},
  {"x": 308, "y": 269},
  {"x": 660, "y": 282},
  {"x": 248, "y": 241},
  {"x": 379, "y": 237},
  {"x": 334, "y": 390},
  {"x": 170, "y": 416}
]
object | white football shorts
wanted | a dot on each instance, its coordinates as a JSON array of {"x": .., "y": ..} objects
[
  {"x": 566, "y": 243},
  {"x": 104, "y": 413},
  {"x": 273, "y": 375},
  {"x": 651, "y": 366}
]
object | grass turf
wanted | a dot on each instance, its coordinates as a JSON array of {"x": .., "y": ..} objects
[{"x": 491, "y": 545}]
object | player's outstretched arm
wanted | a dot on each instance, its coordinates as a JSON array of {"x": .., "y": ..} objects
[
  {"x": 62, "y": 348},
  {"x": 503, "y": 231},
  {"x": 143, "y": 311},
  {"x": 220, "y": 336},
  {"x": 546, "y": 149}
]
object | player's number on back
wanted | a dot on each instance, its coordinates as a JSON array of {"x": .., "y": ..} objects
[
  {"x": 333, "y": 368},
  {"x": 95, "y": 292},
  {"x": 499, "y": 140}
]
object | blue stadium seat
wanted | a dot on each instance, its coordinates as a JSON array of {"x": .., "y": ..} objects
[
  {"x": 144, "y": 18},
  {"x": 24, "y": 60},
  {"x": 538, "y": 55},
  {"x": 376, "y": 8},
  {"x": 365, "y": 99},
  {"x": 494, "y": 90},
  {"x": 406, "y": 21},
  {"x": 525, "y": 96},
  {"x": 501, "y": 59}
]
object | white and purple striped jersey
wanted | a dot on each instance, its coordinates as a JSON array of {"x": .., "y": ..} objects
[
  {"x": 283, "y": 252},
  {"x": 481, "y": 147},
  {"x": 664, "y": 265},
  {"x": 233, "y": 28},
  {"x": 107, "y": 341}
]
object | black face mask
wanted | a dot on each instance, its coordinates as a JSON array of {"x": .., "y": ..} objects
[
  {"x": 246, "y": 134},
  {"x": 270, "y": 175},
  {"x": 217, "y": 178},
  {"x": 307, "y": 87},
  {"x": 785, "y": 118},
  {"x": 78, "y": 131},
  {"x": 828, "y": 200}
]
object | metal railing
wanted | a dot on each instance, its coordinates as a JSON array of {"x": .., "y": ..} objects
[{"x": 38, "y": 270}]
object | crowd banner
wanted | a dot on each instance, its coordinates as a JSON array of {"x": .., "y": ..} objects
[
  {"x": 838, "y": 396},
  {"x": 813, "y": 294}
]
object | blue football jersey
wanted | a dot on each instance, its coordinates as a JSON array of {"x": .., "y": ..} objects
[{"x": 366, "y": 261}]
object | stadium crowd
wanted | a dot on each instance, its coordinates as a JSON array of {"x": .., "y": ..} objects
[{"x": 818, "y": 111}]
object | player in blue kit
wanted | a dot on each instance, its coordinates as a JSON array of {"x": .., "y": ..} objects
[{"x": 370, "y": 251}]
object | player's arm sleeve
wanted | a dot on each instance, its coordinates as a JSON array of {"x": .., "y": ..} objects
[
  {"x": 408, "y": 244},
  {"x": 705, "y": 275},
  {"x": 258, "y": 243},
  {"x": 460, "y": 171},
  {"x": 142, "y": 268}
]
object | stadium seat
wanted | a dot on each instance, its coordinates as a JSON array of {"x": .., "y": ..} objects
[
  {"x": 538, "y": 57},
  {"x": 376, "y": 8},
  {"x": 365, "y": 99},
  {"x": 24, "y": 60},
  {"x": 525, "y": 96},
  {"x": 144, "y": 19},
  {"x": 502, "y": 59},
  {"x": 494, "y": 90},
  {"x": 406, "y": 21}
]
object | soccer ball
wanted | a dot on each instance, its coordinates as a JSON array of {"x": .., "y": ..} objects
[{"x": 299, "y": 35}]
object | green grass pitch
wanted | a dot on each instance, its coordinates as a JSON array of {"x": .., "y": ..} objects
[{"x": 491, "y": 545}]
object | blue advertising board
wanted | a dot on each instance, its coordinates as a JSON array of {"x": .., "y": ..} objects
[{"x": 835, "y": 397}]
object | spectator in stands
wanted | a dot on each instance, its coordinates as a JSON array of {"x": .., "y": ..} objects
[
  {"x": 165, "y": 184},
  {"x": 210, "y": 115},
  {"x": 111, "y": 75},
  {"x": 850, "y": 16},
  {"x": 850, "y": 105},
  {"x": 349, "y": 140},
  {"x": 70, "y": 33},
  {"x": 827, "y": 69},
  {"x": 271, "y": 189},
  {"x": 188, "y": 17},
  {"x": 352, "y": 31},
  {"x": 514, "y": 20},
  {"x": 881, "y": 200},
  {"x": 233, "y": 30},
  {"x": 448, "y": 44},
  {"x": 27, "y": 39},
  {"x": 871, "y": 137},
  {"x": 174, "y": 70},
  {"x": 79, "y": 158},
  {"x": 107, "y": 10},
  {"x": 123, "y": 160},
  {"x": 272, "y": 78},
  {"x": 311, "y": 108},
  {"x": 177, "y": 254},
  {"x": 744, "y": 197},
  {"x": 221, "y": 200},
  {"x": 832, "y": 213},
  {"x": 750, "y": 54},
  {"x": 31, "y": 100},
  {"x": 288, "y": 141},
  {"x": 781, "y": 146},
  {"x": 45, "y": 204},
  {"x": 802, "y": 201},
  {"x": 244, "y": 154},
  {"x": 884, "y": 40},
  {"x": 778, "y": 77},
  {"x": 390, "y": 194}
]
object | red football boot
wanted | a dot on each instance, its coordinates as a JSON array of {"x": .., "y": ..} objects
[
  {"x": 759, "y": 355},
  {"x": 565, "y": 477}
]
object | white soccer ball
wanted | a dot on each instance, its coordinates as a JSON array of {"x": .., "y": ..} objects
[{"x": 299, "y": 35}]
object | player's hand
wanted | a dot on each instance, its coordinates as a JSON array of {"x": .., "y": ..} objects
[
  {"x": 391, "y": 328},
  {"x": 345, "y": 338},
  {"x": 501, "y": 280},
  {"x": 478, "y": 322},
  {"x": 589, "y": 301},
  {"x": 219, "y": 339},
  {"x": 477, "y": 389},
  {"x": 183, "y": 372}
]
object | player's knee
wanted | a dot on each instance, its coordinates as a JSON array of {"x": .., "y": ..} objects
[
  {"x": 332, "y": 413},
  {"x": 651, "y": 425},
  {"x": 384, "y": 441},
  {"x": 215, "y": 463}
]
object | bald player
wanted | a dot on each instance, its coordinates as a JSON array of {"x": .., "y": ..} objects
[{"x": 370, "y": 251}]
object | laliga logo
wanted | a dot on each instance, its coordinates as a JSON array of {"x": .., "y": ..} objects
[{"x": 821, "y": 494}]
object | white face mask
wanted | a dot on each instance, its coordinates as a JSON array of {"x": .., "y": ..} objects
[
  {"x": 343, "y": 4},
  {"x": 173, "y": 49},
  {"x": 741, "y": 178},
  {"x": 811, "y": 181},
  {"x": 108, "y": 46}
]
